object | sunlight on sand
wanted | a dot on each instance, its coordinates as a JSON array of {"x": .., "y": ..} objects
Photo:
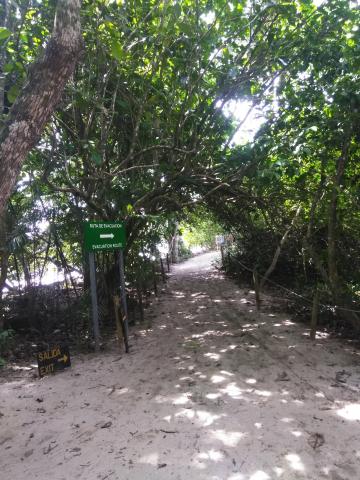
[
  {"x": 213, "y": 356},
  {"x": 295, "y": 462},
  {"x": 251, "y": 381},
  {"x": 181, "y": 400},
  {"x": 259, "y": 475},
  {"x": 232, "y": 390},
  {"x": 229, "y": 439},
  {"x": 203, "y": 418},
  {"x": 151, "y": 459},
  {"x": 217, "y": 378},
  {"x": 212, "y": 455},
  {"x": 350, "y": 412}
]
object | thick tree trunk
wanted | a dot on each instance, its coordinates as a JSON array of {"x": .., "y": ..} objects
[
  {"x": 41, "y": 93},
  {"x": 4, "y": 254}
]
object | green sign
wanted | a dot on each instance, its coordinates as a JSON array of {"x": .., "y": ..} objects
[{"x": 104, "y": 236}]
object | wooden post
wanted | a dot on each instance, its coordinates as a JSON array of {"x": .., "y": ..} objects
[
  {"x": 95, "y": 311},
  {"x": 168, "y": 262},
  {"x": 119, "y": 326},
  {"x": 162, "y": 270},
  {"x": 154, "y": 277},
  {"x": 125, "y": 323},
  {"x": 222, "y": 255},
  {"x": 257, "y": 289},
  {"x": 140, "y": 300},
  {"x": 314, "y": 314}
]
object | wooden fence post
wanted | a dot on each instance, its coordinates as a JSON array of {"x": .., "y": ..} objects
[
  {"x": 257, "y": 289},
  {"x": 314, "y": 314},
  {"x": 140, "y": 300},
  {"x": 119, "y": 327},
  {"x": 154, "y": 277},
  {"x": 222, "y": 255},
  {"x": 162, "y": 270}
]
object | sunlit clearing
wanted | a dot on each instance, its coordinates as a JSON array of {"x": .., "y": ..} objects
[
  {"x": 296, "y": 433},
  {"x": 151, "y": 458},
  {"x": 229, "y": 439},
  {"x": 350, "y": 412},
  {"x": 213, "y": 455},
  {"x": 295, "y": 462},
  {"x": 217, "y": 378},
  {"x": 259, "y": 475}
]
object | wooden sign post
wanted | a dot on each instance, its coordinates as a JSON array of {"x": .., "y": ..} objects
[{"x": 108, "y": 236}]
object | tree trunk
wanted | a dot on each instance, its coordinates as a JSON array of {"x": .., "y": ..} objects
[
  {"x": 334, "y": 280},
  {"x": 4, "y": 254},
  {"x": 41, "y": 93},
  {"x": 278, "y": 250}
]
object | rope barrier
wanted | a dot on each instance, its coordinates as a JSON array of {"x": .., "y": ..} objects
[{"x": 326, "y": 306}]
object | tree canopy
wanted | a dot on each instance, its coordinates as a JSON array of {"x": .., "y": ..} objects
[{"x": 141, "y": 135}]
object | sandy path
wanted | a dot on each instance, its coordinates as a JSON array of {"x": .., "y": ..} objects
[{"x": 212, "y": 391}]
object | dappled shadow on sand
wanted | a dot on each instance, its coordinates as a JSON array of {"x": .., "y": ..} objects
[
  {"x": 253, "y": 397},
  {"x": 214, "y": 391}
]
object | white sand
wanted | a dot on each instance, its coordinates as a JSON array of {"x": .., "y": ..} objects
[{"x": 212, "y": 391}]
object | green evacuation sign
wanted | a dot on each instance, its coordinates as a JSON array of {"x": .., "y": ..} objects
[{"x": 104, "y": 236}]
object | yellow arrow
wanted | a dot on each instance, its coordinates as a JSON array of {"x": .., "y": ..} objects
[{"x": 63, "y": 359}]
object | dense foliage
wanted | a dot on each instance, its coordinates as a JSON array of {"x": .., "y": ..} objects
[{"x": 141, "y": 136}]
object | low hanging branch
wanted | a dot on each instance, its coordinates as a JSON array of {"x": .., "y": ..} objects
[
  {"x": 278, "y": 250},
  {"x": 41, "y": 93}
]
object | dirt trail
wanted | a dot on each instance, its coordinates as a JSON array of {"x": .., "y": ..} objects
[{"x": 212, "y": 391}]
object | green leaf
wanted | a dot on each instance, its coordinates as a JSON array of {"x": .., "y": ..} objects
[
  {"x": 117, "y": 51},
  {"x": 4, "y": 33},
  {"x": 13, "y": 93},
  {"x": 96, "y": 158}
]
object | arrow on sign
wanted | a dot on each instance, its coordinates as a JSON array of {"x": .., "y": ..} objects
[
  {"x": 106, "y": 235},
  {"x": 63, "y": 359}
]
